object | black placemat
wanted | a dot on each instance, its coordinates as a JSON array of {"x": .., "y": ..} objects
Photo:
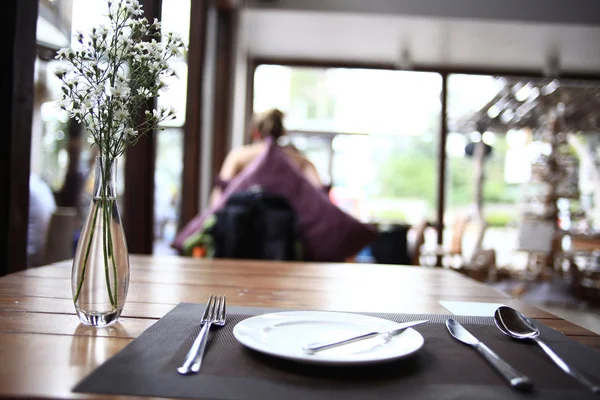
[{"x": 442, "y": 369}]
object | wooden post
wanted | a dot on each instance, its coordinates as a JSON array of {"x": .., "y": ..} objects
[
  {"x": 16, "y": 113},
  {"x": 140, "y": 163},
  {"x": 192, "y": 149},
  {"x": 479, "y": 177},
  {"x": 226, "y": 27},
  {"x": 441, "y": 170}
]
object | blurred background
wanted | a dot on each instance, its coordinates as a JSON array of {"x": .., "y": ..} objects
[{"x": 468, "y": 124}]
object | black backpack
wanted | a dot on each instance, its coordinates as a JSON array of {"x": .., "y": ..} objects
[{"x": 256, "y": 225}]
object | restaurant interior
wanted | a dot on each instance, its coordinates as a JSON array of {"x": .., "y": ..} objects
[{"x": 465, "y": 135}]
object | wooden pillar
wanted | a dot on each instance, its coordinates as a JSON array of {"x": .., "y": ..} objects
[
  {"x": 192, "y": 149},
  {"x": 478, "y": 177},
  {"x": 226, "y": 29},
  {"x": 16, "y": 114},
  {"x": 140, "y": 163},
  {"x": 249, "y": 99},
  {"x": 441, "y": 166}
]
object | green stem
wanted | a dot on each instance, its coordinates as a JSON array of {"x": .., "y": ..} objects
[
  {"x": 106, "y": 229},
  {"x": 112, "y": 255},
  {"x": 87, "y": 253}
]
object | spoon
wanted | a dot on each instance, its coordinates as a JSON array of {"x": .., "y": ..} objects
[{"x": 514, "y": 324}]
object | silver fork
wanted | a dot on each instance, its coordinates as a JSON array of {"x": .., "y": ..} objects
[{"x": 214, "y": 314}]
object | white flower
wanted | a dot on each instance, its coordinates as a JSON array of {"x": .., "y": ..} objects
[
  {"x": 99, "y": 90},
  {"x": 102, "y": 30},
  {"x": 145, "y": 93},
  {"x": 64, "y": 54},
  {"x": 120, "y": 115},
  {"x": 135, "y": 11},
  {"x": 123, "y": 39},
  {"x": 65, "y": 104},
  {"x": 129, "y": 132},
  {"x": 99, "y": 93},
  {"x": 60, "y": 72},
  {"x": 119, "y": 91},
  {"x": 77, "y": 114}
]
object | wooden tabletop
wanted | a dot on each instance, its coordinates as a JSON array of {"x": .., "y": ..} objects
[{"x": 44, "y": 351}]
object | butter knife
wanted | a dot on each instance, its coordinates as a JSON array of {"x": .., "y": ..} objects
[
  {"x": 516, "y": 379},
  {"x": 312, "y": 348}
]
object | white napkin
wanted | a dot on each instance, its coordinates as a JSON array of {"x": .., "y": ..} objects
[{"x": 471, "y": 308}]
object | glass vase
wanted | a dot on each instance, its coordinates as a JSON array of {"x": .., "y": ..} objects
[{"x": 100, "y": 274}]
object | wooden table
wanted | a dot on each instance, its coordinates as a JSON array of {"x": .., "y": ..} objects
[{"x": 44, "y": 351}]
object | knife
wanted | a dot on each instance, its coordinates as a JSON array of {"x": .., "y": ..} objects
[
  {"x": 516, "y": 379},
  {"x": 312, "y": 348}
]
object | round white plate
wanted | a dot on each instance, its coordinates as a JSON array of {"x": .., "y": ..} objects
[{"x": 283, "y": 335}]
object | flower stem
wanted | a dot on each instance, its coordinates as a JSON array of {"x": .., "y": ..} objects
[
  {"x": 112, "y": 255},
  {"x": 106, "y": 232},
  {"x": 106, "y": 228},
  {"x": 87, "y": 254}
]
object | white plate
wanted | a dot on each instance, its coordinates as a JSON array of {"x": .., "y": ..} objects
[{"x": 283, "y": 335}]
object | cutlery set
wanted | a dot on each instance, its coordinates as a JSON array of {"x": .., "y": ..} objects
[
  {"x": 509, "y": 321},
  {"x": 515, "y": 325}
]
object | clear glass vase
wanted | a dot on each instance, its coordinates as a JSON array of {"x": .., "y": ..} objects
[{"x": 100, "y": 274}]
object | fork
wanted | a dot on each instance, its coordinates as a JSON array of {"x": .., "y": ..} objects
[{"x": 214, "y": 314}]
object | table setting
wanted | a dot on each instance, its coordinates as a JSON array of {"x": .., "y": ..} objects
[{"x": 235, "y": 352}]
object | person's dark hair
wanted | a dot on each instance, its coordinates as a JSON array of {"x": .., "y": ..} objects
[{"x": 270, "y": 124}]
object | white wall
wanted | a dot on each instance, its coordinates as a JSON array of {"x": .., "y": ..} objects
[{"x": 431, "y": 41}]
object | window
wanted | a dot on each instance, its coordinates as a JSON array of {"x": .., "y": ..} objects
[
  {"x": 468, "y": 94},
  {"x": 169, "y": 141},
  {"x": 371, "y": 133}
]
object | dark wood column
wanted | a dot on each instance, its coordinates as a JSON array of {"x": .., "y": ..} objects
[
  {"x": 226, "y": 29},
  {"x": 192, "y": 149},
  {"x": 16, "y": 114},
  {"x": 140, "y": 163},
  {"x": 249, "y": 98},
  {"x": 441, "y": 170}
]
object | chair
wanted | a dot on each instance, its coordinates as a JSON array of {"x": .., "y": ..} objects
[
  {"x": 414, "y": 248},
  {"x": 59, "y": 243},
  {"x": 452, "y": 256},
  {"x": 477, "y": 263},
  {"x": 584, "y": 271}
]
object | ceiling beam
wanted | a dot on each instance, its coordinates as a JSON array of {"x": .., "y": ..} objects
[
  {"x": 586, "y": 12},
  {"x": 517, "y": 73}
]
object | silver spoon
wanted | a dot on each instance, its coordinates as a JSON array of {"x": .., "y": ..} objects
[{"x": 516, "y": 325}]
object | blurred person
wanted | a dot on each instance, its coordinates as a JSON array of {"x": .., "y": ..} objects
[
  {"x": 267, "y": 125},
  {"x": 41, "y": 207}
]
